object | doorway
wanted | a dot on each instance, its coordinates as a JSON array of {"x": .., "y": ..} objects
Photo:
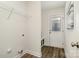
[{"x": 52, "y": 30}]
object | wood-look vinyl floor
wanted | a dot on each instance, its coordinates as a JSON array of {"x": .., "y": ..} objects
[
  {"x": 48, "y": 52},
  {"x": 52, "y": 52}
]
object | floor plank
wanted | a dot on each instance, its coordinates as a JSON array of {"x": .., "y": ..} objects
[{"x": 52, "y": 52}]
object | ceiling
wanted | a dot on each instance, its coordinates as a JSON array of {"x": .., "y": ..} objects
[
  {"x": 22, "y": 6},
  {"x": 52, "y": 4}
]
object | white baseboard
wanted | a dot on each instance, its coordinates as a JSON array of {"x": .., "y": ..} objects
[
  {"x": 34, "y": 53},
  {"x": 20, "y": 55},
  {"x": 30, "y": 52},
  {"x": 52, "y": 46}
]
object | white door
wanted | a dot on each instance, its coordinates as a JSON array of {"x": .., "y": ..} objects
[
  {"x": 56, "y": 38},
  {"x": 72, "y": 33},
  {"x": 76, "y": 28}
]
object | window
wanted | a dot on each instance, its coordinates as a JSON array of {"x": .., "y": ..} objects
[{"x": 56, "y": 25}]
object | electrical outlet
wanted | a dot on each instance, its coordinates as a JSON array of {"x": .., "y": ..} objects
[
  {"x": 9, "y": 50},
  {"x": 20, "y": 51}
]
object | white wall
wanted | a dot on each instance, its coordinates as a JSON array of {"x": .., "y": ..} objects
[
  {"x": 11, "y": 30},
  {"x": 34, "y": 41},
  {"x": 24, "y": 19},
  {"x": 46, "y": 15}
]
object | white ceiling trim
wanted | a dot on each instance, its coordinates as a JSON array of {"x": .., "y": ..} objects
[{"x": 52, "y": 4}]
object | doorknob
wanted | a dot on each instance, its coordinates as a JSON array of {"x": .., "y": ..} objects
[
  {"x": 75, "y": 44},
  {"x": 49, "y": 32}
]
